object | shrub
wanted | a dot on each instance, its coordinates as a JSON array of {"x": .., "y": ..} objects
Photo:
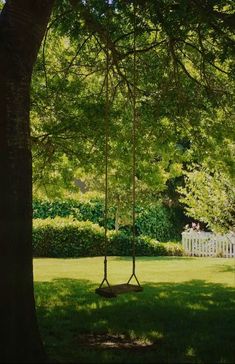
[
  {"x": 82, "y": 211},
  {"x": 43, "y": 209},
  {"x": 159, "y": 222},
  {"x": 121, "y": 244},
  {"x": 65, "y": 237}
]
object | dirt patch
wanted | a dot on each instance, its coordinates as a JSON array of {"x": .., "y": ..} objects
[{"x": 105, "y": 341}]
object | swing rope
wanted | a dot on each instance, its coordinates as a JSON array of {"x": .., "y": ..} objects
[
  {"x": 106, "y": 120},
  {"x": 126, "y": 287},
  {"x": 134, "y": 135}
]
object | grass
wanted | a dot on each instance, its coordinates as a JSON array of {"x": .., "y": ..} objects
[{"x": 186, "y": 313}]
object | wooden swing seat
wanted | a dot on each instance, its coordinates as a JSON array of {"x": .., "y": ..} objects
[{"x": 114, "y": 291}]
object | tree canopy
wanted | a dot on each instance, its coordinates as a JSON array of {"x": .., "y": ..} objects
[{"x": 185, "y": 92}]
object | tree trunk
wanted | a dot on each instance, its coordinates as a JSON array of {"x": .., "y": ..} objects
[
  {"x": 117, "y": 215},
  {"x": 22, "y": 26}
]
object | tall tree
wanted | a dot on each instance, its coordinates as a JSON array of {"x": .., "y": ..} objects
[{"x": 22, "y": 27}]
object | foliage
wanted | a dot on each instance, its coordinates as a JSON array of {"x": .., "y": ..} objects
[
  {"x": 79, "y": 209},
  {"x": 185, "y": 102},
  {"x": 160, "y": 222},
  {"x": 209, "y": 197},
  {"x": 156, "y": 221},
  {"x": 121, "y": 244},
  {"x": 185, "y": 73},
  {"x": 64, "y": 237},
  {"x": 92, "y": 210}
]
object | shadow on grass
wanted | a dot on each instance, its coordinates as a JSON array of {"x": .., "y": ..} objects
[
  {"x": 227, "y": 268},
  {"x": 192, "y": 322}
]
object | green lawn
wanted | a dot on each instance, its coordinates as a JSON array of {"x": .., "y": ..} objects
[{"x": 186, "y": 313}]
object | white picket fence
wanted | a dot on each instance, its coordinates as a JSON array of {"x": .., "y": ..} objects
[{"x": 204, "y": 244}]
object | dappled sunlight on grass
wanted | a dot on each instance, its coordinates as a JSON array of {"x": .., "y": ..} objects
[{"x": 169, "y": 322}]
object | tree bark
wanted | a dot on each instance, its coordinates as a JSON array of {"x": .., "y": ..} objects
[
  {"x": 117, "y": 215},
  {"x": 22, "y": 27}
]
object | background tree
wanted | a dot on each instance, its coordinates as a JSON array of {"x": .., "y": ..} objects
[{"x": 209, "y": 196}]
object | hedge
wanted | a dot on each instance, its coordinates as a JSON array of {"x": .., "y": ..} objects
[
  {"x": 159, "y": 222},
  {"x": 65, "y": 237},
  {"x": 82, "y": 211}
]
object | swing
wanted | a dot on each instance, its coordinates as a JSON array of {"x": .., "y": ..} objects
[{"x": 111, "y": 291}]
